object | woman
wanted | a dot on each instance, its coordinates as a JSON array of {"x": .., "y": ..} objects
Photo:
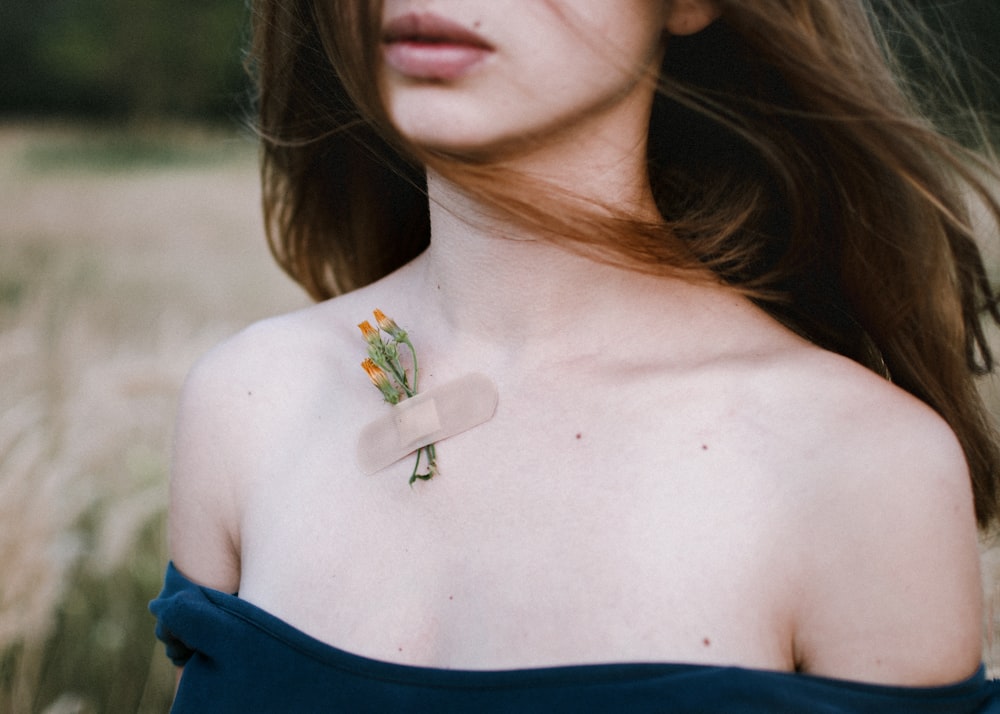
[{"x": 722, "y": 281}]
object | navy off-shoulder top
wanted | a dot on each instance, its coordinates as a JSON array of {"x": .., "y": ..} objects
[{"x": 239, "y": 658}]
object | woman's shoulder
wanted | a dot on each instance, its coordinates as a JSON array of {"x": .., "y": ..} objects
[
  {"x": 260, "y": 352},
  {"x": 859, "y": 441},
  {"x": 883, "y": 526},
  {"x": 248, "y": 407},
  {"x": 282, "y": 351},
  {"x": 256, "y": 389},
  {"x": 845, "y": 409}
]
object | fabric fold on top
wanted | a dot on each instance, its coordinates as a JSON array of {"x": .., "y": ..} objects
[{"x": 238, "y": 658}]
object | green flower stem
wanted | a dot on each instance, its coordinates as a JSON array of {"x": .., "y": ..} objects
[
  {"x": 416, "y": 467},
  {"x": 400, "y": 374},
  {"x": 413, "y": 353},
  {"x": 388, "y": 359},
  {"x": 430, "y": 465}
]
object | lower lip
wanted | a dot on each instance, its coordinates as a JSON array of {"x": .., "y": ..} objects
[{"x": 433, "y": 61}]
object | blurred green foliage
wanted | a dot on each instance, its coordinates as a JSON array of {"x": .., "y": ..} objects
[
  {"x": 102, "y": 655},
  {"x": 122, "y": 59},
  {"x": 181, "y": 59}
]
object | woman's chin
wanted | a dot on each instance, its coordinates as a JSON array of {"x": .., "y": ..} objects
[{"x": 472, "y": 146}]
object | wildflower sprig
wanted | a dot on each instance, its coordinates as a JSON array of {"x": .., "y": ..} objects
[{"x": 387, "y": 373}]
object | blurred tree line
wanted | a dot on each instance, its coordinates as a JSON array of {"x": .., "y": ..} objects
[
  {"x": 123, "y": 59},
  {"x": 181, "y": 59}
]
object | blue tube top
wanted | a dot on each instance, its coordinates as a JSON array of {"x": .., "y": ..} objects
[{"x": 239, "y": 658}]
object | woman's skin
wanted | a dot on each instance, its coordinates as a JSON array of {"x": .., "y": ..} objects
[{"x": 670, "y": 475}]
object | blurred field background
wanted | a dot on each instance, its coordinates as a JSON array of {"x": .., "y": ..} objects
[
  {"x": 130, "y": 243},
  {"x": 121, "y": 260}
]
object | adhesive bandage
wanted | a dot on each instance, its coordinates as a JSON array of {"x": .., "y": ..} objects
[{"x": 446, "y": 410}]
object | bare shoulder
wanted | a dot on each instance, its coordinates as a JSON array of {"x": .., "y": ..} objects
[
  {"x": 250, "y": 410},
  {"x": 884, "y": 529},
  {"x": 857, "y": 417},
  {"x": 241, "y": 411},
  {"x": 220, "y": 418}
]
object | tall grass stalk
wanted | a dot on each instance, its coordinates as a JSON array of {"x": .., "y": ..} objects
[{"x": 112, "y": 282}]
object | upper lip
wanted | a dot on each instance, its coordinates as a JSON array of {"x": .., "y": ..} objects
[{"x": 426, "y": 27}]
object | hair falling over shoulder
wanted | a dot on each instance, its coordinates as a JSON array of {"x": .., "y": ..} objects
[{"x": 788, "y": 153}]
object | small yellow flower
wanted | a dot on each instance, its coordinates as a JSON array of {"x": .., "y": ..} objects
[
  {"x": 374, "y": 372},
  {"x": 388, "y": 325},
  {"x": 369, "y": 332},
  {"x": 381, "y": 380}
]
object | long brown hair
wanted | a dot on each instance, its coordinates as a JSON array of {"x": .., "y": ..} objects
[{"x": 785, "y": 153}]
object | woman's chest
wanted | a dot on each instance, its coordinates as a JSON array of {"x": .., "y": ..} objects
[
  {"x": 575, "y": 526},
  {"x": 521, "y": 553}
]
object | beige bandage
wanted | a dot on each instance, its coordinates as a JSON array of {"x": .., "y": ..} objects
[{"x": 426, "y": 418}]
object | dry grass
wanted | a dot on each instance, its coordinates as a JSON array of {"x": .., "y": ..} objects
[
  {"x": 114, "y": 277},
  {"x": 120, "y": 262}
]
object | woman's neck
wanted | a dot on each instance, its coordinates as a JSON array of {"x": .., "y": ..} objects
[
  {"x": 498, "y": 279},
  {"x": 495, "y": 282}
]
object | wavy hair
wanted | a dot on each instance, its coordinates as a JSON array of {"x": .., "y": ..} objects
[{"x": 786, "y": 153}]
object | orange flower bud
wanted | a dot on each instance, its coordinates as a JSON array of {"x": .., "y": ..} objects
[
  {"x": 388, "y": 325},
  {"x": 369, "y": 332},
  {"x": 381, "y": 380}
]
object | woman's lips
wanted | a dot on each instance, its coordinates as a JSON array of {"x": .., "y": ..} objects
[{"x": 428, "y": 47}]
